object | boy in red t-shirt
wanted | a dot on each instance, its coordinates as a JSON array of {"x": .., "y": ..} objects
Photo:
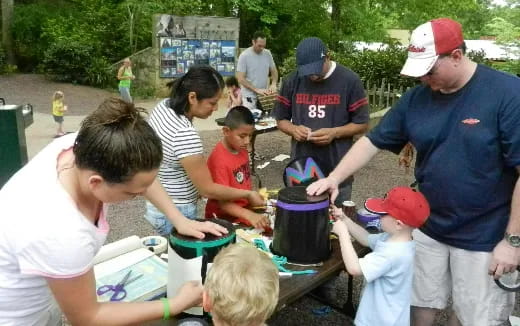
[{"x": 229, "y": 166}]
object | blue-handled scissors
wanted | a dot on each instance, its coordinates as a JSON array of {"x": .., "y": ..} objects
[{"x": 119, "y": 288}]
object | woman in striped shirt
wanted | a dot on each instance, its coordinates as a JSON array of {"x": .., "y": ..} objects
[{"x": 184, "y": 173}]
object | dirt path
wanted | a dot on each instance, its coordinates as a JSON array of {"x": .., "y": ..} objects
[{"x": 37, "y": 90}]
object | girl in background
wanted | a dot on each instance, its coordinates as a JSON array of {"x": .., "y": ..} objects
[
  {"x": 234, "y": 93},
  {"x": 58, "y": 109}
]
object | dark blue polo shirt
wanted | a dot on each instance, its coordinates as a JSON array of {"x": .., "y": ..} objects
[{"x": 468, "y": 145}]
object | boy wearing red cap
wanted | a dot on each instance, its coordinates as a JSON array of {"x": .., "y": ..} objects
[{"x": 388, "y": 269}]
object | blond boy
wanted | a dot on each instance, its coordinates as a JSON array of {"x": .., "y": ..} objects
[{"x": 241, "y": 288}]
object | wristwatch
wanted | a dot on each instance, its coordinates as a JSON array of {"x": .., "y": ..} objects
[{"x": 513, "y": 239}]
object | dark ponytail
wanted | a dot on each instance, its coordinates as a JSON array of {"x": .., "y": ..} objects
[{"x": 205, "y": 81}]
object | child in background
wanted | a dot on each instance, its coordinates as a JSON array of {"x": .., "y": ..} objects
[
  {"x": 241, "y": 287},
  {"x": 388, "y": 269},
  {"x": 58, "y": 109},
  {"x": 228, "y": 164},
  {"x": 234, "y": 93}
]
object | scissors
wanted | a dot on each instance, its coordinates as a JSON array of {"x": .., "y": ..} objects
[{"x": 119, "y": 288}]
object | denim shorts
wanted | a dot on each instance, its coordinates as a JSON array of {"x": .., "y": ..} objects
[{"x": 159, "y": 221}]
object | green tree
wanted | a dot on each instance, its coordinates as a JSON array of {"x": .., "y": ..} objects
[{"x": 7, "y": 36}]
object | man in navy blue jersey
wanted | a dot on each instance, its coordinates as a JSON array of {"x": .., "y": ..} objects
[
  {"x": 464, "y": 121},
  {"x": 322, "y": 106}
]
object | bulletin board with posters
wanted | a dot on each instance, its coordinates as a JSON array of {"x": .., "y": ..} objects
[{"x": 177, "y": 55}]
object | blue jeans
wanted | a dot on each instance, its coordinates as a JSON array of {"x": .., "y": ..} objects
[
  {"x": 160, "y": 222},
  {"x": 125, "y": 94}
]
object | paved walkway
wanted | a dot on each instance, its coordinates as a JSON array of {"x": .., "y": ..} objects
[{"x": 41, "y": 132}]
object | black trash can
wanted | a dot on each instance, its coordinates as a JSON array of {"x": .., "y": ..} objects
[
  {"x": 13, "y": 146},
  {"x": 301, "y": 228}
]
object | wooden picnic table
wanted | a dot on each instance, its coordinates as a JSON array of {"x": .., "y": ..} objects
[{"x": 294, "y": 287}]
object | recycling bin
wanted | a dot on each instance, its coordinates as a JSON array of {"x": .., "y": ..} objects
[{"x": 13, "y": 146}]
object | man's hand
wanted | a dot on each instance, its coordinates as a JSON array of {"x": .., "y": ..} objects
[
  {"x": 198, "y": 229},
  {"x": 327, "y": 184},
  {"x": 300, "y": 133},
  {"x": 255, "y": 199},
  {"x": 273, "y": 89},
  {"x": 406, "y": 157},
  {"x": 323, "y": 136},
  {"x": 189, "y": 295},
  {"x": 505, "y": 259},
  {"x": 259, "y": 221},
  {"x": 261, "y": 91}
]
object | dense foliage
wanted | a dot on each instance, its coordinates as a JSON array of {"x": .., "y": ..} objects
[{"x": 76, "y": 40}]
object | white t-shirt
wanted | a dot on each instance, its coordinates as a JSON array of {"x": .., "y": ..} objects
[
  {"x": 388, "y": 271},
  {"x": 42, "y": 234},
  {"x": 179, "y": 140}
]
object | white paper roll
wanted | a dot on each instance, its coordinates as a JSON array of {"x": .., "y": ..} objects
[
  {"x": 117, "y": 248},
  {"x": 155, "y": 244}
]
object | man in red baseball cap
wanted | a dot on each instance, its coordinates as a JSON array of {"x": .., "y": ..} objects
[
  {"x": 388, "y": 268},
  {"x": 463, "y": 121}
]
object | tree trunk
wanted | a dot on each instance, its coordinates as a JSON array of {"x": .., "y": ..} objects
[
  {"x": 7, "y": 35},
  {"x": 335, "y": 17}
]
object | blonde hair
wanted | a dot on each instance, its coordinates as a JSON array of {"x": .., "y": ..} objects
[
  {"x": 242, "y": 286},
  {"x": 58, "y": 95}
]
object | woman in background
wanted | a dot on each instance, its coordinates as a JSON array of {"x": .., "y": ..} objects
[{"x": 125, "y": 76}]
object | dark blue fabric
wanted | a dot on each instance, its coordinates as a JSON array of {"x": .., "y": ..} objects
[
  {"x": 468, "y": 145},
  {"x": 343, "y": 101}
]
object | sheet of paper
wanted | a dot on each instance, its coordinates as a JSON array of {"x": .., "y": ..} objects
[
  {"x": 154, "y": 277},
  {"x": 121, "y": 262},
  {"x": 280, "y": 157}
]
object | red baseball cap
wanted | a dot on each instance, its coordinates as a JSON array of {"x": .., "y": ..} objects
[
  {"x": 404, "y": 204},
  {"x": 428, "y": 41}
]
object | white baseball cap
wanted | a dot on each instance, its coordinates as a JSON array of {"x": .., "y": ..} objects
[{"x": 428, "y": 41}]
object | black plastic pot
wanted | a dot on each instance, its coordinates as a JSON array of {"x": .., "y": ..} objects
[{"x": 301, "y": 229}]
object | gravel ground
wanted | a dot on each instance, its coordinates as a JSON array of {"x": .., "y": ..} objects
[{"x": 126, "y": 218}]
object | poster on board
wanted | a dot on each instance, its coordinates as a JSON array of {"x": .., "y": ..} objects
[{"x": 177, "y": 55}]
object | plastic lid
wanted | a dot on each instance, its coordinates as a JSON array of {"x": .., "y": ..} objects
[
  {"x": 298, "y": 195},
  {"x": 209, "y": 237}
]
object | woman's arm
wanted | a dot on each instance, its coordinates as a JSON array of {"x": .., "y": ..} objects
[
  {"x": 120, "y": 73},
  {"x": 198, "y": 172},
  {"x": 78, "y": 301}
]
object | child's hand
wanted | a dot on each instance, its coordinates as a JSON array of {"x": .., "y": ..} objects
[
  {"x": 189, "y": 295},
  {"x": 340, "y": 228},
  {"x": 255, "y": 199},
  {"x": 337, "y": 212},
  {"x": 259, "y": 221},
  {"x": 64, "y": 108}
]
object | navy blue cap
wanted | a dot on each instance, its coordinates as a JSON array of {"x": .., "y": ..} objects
[{"x": 310, "y": 56}]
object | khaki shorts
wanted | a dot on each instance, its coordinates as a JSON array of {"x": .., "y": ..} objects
[{"x": 441, "y": 270}]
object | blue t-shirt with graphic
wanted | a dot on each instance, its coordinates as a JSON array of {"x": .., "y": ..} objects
[
  {"x": 468, "y": 145},
  {"x": 388, "y": 272}
]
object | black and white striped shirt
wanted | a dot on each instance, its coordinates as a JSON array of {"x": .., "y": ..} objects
[{"x": 179, "y": 139}]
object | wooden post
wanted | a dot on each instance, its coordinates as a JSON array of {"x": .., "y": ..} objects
[{"x": 381, "y": 93}]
